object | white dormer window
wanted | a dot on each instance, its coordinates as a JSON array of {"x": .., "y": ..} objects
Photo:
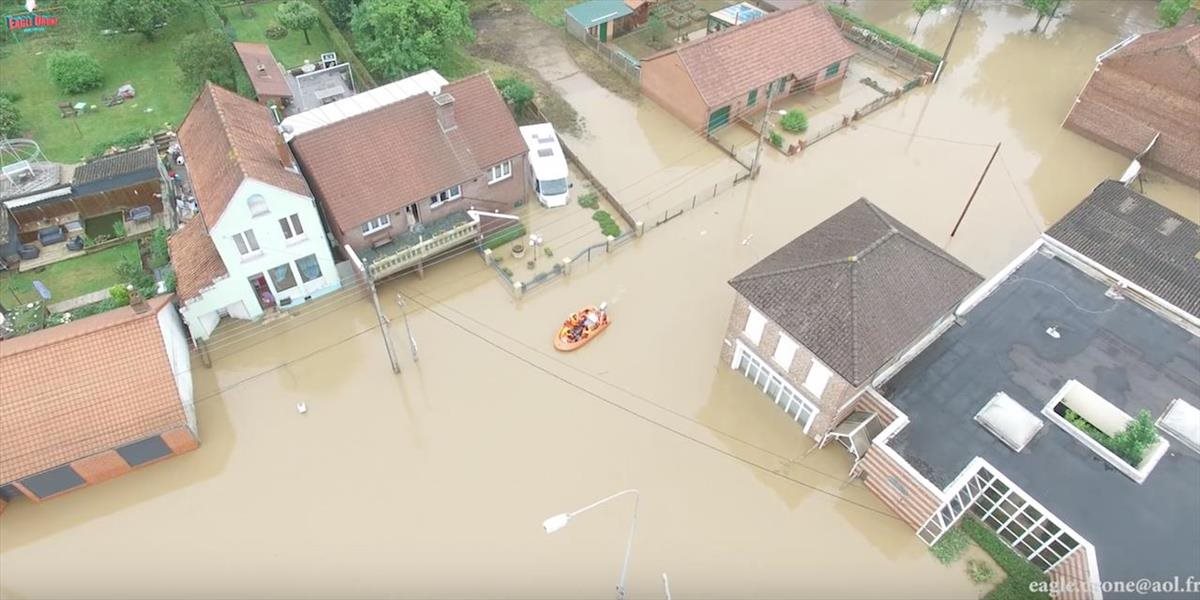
[
  {"x": 500, "y": 172},
  {"x": 444, "y": 196},
  {"x": 376, "y": 224},
  {"x": 258, "y": 205}
]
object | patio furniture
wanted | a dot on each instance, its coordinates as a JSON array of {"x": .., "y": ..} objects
[
  {"x": 51, "y": 235},
  {"x": 65, "y": 109},
  {"x": 140, "y": 214},
  {"x": 75, "y": 244},
  {"x": 80, "y": 107},
  {"x": 28, "y": 252},
  {"x": 73, "y": 227}
]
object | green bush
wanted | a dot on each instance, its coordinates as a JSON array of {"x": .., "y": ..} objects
[
  {"x": 119, "y": 229},
  {"x": 848, "y": 15},
  {"x": 132, "y": 272},
  {"x": 776, "y": 139},
  {"x": 275, "y": 31},
  {"x": 1130, "y": 443},
  {"x": 515, "y": 92},
  {"x": 74, "y": 71},
  {"x": 11, "y": 96},
  {"x": 608, "y": 225},
  {"x": 504, "y": 236},
  {"x": 160, "y": 254},
  {"x": 11, "y": 121},
  {"x": 549, "y": 252},
  {"x": 951, "y": 546},
  {"x": 979, "y": 571},
  {"x": 119, "y": 294},
  {"x": 169, "y": 282},
  {"x": 1170, "y": 11},
  {"x": 589, "y": 200},
  {"x": 1021, "y": 574},
  {"x": 123, "y": 141},
  {"x": 794, "y": 121}
]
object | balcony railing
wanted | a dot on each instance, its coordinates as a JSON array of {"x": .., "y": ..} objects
[{"x": 385, "y": 263}]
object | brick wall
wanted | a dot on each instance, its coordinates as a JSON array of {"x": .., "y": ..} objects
[
  {"x": 667, "y": 83},
  {"x": 836, "y": 393},
  {"x": 1074, "y": 574},
  {"x": 868, "y": 402},
  {"x": 898, "y": 489}
]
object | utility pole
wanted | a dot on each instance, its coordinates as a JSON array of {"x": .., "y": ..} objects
[
  {"x": 975, "y": 191},
  {"x": 962, "y": 10},
  {"x": 762, "y": 132},
  {"x": 383, "y": 321},
  {"x": 412, "y": 341}
]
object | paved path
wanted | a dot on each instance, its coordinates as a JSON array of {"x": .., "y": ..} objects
[{"x": 74, "y": 303}]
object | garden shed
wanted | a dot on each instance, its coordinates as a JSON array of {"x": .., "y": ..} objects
[{"x": 602, "y": 19}]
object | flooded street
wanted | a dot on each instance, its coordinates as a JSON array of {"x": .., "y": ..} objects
[{"x": 435, "y": 482}]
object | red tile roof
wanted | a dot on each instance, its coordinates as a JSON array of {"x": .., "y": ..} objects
[
  {"x": 225, "y": 139},
  {"x": 1151, "y": 85},
  {"x": 195, "y": 260},
  {"x": 376, "y": 162},
  {"x": 84, "y": 387},
  {"x": 263, "y": 69},
  {"x": 727, "y": 64}
]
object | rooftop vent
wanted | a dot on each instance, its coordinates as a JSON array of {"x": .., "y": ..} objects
[
  {"x": 544, "y": 152},
  {"x": 1182, "y": 420},
  {"x": 1006, "y": 419},
  {"x": 262, "y": 68},
  {"x": 1127, "y": 205},
  {"x": 1169, "y": 225},
  {"x": 443, "y": 99}
]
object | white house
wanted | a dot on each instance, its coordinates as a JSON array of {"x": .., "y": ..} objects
[{"x": 258, "y": 243}]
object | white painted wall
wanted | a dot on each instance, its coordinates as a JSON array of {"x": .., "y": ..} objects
[
  {"x": 176, "y": 344},
  {"x": 234, "y": 293}
]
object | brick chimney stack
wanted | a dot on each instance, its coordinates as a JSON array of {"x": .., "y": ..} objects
[
  {"x": 282, "y": 149},
  {"x": 445, "y": 112}
]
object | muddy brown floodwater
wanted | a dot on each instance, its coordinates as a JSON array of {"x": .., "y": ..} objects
[{"x": 434, "y": 483}]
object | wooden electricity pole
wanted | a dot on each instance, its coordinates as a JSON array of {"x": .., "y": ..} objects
[
  {"x": 975, "y": 191},
  {"x": 383, "y": 322}
]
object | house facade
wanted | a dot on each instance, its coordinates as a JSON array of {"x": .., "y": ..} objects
[
  {"x": 421, "y": 151},
  {"x": 710, "y": 82},
  {"x": 258, "y": 243},
  {"x": 74, "y": 411}
]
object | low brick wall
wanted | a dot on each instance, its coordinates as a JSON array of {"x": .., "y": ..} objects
[{"x": 899, "y": 490}]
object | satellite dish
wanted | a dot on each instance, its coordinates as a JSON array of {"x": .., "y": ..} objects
[{"x": 42, "y": 290}]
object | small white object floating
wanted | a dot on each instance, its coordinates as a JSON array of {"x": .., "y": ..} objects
[
  {"x": 746, "y": 241},
  {"x": 301, "y": 407}
]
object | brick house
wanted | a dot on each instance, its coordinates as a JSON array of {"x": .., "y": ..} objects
[
  {"x": 409, "y": 153},
  {"x": 1148, "y": 85},
  {"x": 814, "y": 321},
  {"x": 710, "y": 82},
  {"x": 89, "y": 400}
]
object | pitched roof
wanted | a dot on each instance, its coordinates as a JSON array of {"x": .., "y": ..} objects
[
  {"x": 856, "y": 289},
  {"x": 195, "y": 260},
  {"x": 594, "y": 12},
  {"x": 1142, "y": 240},
  {"x": 375, "y": 162},
  {"x": 225, "y": 139},
  {"x": 1150, "y": 85},
  {"x": 797, "y": 41},
  {"x": 84, "y": 387},
  {"x": 116, "y": 171},
  {"x": 265, "y": 74}
]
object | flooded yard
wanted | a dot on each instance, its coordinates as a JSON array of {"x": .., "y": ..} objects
[{"x": 435, "y": 482}]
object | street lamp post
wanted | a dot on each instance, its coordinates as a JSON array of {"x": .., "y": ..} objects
[{"x": 559, "y": 521}]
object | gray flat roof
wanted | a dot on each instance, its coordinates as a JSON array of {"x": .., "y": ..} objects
[{"x": 1128, "y": 354}]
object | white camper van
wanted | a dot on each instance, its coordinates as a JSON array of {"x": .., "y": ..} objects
[{"x": 548, "y": 164}]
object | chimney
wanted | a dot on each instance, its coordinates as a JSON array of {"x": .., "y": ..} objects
[
  {"x": 136, "y": 302},
  {"x": 282, "y": 149},
  {"x": 445, "y": 111}
]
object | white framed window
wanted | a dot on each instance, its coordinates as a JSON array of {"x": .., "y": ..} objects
[
  {"x": 444, "y": 196},
  {"x": 754, "y": 325},
  {"x": 500, "y": 172},
  {"x": 258, "y": 205},
  {"x": 785, "y": 350},
  {"x": 376, "y": 224},
  {"x": 246, "y": 243},
  {"x": 291, "y": 227},
  {"x": 817, "y": 379},
  {"x": 775, "y": 386}
]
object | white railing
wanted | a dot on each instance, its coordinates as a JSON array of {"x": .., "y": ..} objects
[{"x": 411, "y": 255}]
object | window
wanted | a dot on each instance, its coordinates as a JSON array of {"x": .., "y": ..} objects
[
  {"x": 446, "y": 195},
  {"x": 752, "y": 98},
  {"x": 282, "y": 277},
  {"x": 291, "y": 227},
  {"x": 258, "y": 205},
  {"x": 500, "y": 172},
  {"x": 754, "y": 326},
  {"x": 309, "y": 268},
  {"x": 832, "y": 70},
  {"x": 784, "y": 351},
  {"x": 54, "y": 481},
  {"x": 818, "y": 378},
  {"x": 376, "y": 224},
  {"x": 140, "y": 453},
  {"x": 246, "y": 242},
  {"x": 795, "y": 405}
]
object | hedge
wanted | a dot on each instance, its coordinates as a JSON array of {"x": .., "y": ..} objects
[
  {"x": 216, "y": 20},
  {"x": 362, "y": 77},
  {"x": 504, "y": 236},
  {"x": 1021, "y": 573},
  {"x": 848, "y": 15}
]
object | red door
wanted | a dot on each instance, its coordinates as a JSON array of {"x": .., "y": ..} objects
[{"x": 262, "y": 291}]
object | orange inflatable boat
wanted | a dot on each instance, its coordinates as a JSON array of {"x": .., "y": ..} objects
[{"x": 581, "y": 327}]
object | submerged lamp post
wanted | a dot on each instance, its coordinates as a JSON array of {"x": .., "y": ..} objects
[{"x": 559, "y": 521}]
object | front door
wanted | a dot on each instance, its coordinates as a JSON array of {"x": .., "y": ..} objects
[
  {"x": 411, "y": 214},
  {"x": 604, "y": 32},
  {"x": 262, "y": 291}
]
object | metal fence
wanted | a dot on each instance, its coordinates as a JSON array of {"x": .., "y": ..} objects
[
  {"x": 882, "y": 48},
  {"x": 661, "y": 218},
  {"x": 618, "y": 59}
]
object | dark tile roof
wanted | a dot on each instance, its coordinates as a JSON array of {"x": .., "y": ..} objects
[
  {"x": 115, "y": 172},
  {"x": 856, "y": 289},
  {"x": 378, "y": 161},
  {"x": 225, "y": 139},
  {"x": 798, "y": 41},
  {"x": 1142, "y": 240},
  {"x": 195, "y": 259}
]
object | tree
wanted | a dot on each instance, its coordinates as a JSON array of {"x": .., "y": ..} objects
[
  {"x": 398, "y": 37},
  {"x": 74, "y": 71},
  {"x": 206, "y": 56},
  {"x": 515, "y": 92},
  {"x": 11, "y": 121},
  {"x": 340, "y": 11},
  {"x": 1044, "y": 8},
  {"x": 923, "y": 6},
  {"x": 297, "y": 14},
  {"x": 794, "y": 121},
  {"x": 1170, "y": 11},
  {"x": 656, "y": 29},
  {"x": 142, "y": 16}
]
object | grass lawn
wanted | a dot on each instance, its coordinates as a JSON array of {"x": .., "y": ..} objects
[
  {"x": 161, "y": 101},
  {"x": 458, "y": 64},
  {"x": 291, "y": 50},
  {"x": 69, "y": 278},
  {"x": 550, "y": 11}
]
